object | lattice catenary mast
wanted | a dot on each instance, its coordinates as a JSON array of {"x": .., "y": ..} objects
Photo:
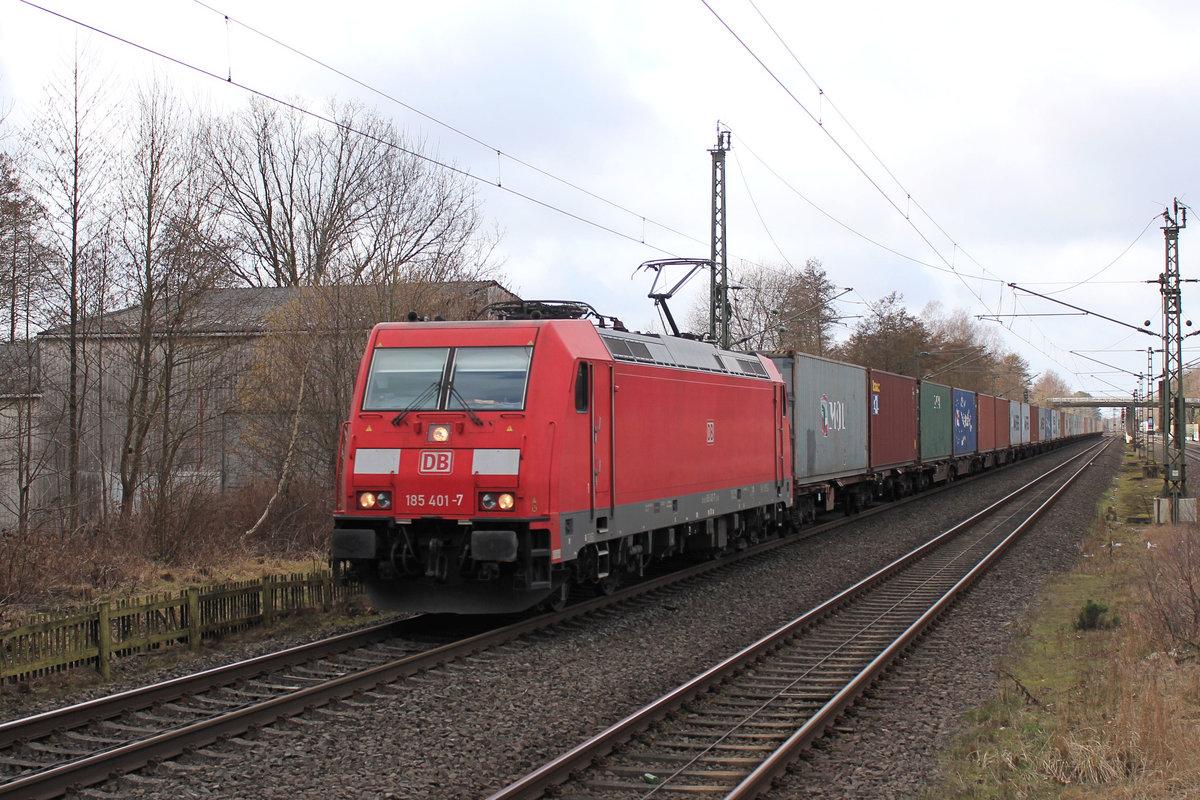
[
  {"x": 1174, "y": 429},
  {"x": 718, "y": 294}
]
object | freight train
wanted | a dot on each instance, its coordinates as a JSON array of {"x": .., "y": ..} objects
[{"x": 493, "y": 466}]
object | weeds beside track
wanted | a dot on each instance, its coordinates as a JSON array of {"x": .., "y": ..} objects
[{"x": 1101, "y": 698}]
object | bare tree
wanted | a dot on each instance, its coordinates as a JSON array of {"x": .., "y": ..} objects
[
  {"x": 168, "y": 240},
  {"x": 21, "y": 462},
  {"x": 1049, "y": 384},
  {"x": 311, "y": 204},
  {"x": 312, "y": 349},
  {"x": 779, "y": 308},
  {"x": 69, "y": 144},
  {"x": 22, "y": 251},
  {"x": 960, "y": 351},
  {"x": 351, "y": 207}
]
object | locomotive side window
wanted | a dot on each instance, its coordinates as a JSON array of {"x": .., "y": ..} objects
[
  {"x": 489, "y": 378},
  {"x": 582, "y": 387},
  {"x": 405, "y": 378}
]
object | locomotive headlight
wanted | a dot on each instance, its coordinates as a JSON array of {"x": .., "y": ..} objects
[
  {"x": 497, "y": 501},
  {"x": 372, "y": 500},
  {"x": 439, "y": 433}
]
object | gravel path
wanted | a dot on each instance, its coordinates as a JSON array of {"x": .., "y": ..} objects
[{"x": 469, "y": 728}]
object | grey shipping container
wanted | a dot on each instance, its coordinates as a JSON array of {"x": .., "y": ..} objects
[{"x": 828, "y": 408}]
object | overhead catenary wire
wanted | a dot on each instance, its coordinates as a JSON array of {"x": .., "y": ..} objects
[
  {"x": 824, "y": 100},
  {"x": 841, "y": 148},
  {"x": 849, "y": 228},
  {"x": 508, "y": 189},
  {"x": 500, "y": 153},
  {"x": 228, "y": 20}
]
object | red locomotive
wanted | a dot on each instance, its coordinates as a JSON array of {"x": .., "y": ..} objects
[{"x": 490, "y": 466}]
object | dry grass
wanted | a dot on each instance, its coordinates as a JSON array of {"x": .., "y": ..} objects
[
  {"x": 200, "y": 539},
  {"x": 1107, "y": 713}
]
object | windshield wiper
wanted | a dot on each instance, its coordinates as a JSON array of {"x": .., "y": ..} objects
[
  {"x": 474, "y": 417},
  {"x": 430, "y": 391}
]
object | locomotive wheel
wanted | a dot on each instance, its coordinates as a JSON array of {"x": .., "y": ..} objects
[
  {"x": 608, "y": 584},
  {"x": 557, "y": 600}
]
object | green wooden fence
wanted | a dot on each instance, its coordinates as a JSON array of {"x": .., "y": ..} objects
[{"x": 95, "y": 636}]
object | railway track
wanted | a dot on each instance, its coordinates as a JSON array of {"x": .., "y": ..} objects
[
  {"x": 732, "y": 730},
  {"x": 51, "y": 754}
]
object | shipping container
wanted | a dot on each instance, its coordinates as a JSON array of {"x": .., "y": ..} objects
[
  {"x": 1025, "y": 430},
  {"x": 829, "y": 416},
  {"x": 936, "y": 421},
  {"x": 1036, "y": 425},
  {"x": 893, "y": 415},
  {"x": 966, "y": 422},
  {"x": 1004, "y": 424},
  {"x": 986, "y": 405},
  {"x": 1014, "y": 427}
]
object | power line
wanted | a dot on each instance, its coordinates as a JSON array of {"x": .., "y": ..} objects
[
  {"x": 908, "y": 195},
  {"x": 1114, "y": 261},
  {"x": 787, "y": 90},
  {"x": 458, "y": 131},
  {"x": 825, "y": 98},
  {"x": 350, "y": 129},
  {"x": 846, "y": 226}
]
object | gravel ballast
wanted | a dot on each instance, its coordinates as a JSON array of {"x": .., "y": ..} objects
[{"x": 471, "y": 727}]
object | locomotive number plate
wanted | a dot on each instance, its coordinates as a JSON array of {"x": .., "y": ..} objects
[{"x": 434, "y": 501}]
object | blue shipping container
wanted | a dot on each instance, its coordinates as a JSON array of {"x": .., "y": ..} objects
[{"x": 966, "y": 423}]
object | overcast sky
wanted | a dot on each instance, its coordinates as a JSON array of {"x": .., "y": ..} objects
[{"x": 939, "y": 149}]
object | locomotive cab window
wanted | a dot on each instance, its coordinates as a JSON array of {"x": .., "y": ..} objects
[
  {"x": 445, "y": 378},
  {"x": 489, "y": 378},
  {"x": 405, "y": 378}
]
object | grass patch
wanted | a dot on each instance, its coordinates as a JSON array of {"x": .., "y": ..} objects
[{"x": 1102, "y": 698}]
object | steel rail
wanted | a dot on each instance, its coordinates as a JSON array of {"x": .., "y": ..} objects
[
  {"x": 562, "y": 768},
  {"x": 776, "y": 765},
  {"x": 24, "y": 729}
]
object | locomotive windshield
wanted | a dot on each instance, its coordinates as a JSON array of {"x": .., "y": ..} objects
[{"x": 447, "y": 378}]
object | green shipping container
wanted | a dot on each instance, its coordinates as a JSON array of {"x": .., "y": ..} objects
[{"x": 936, "y": 421}]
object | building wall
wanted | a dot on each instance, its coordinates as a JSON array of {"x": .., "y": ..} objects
[
  {"x": 217, "y": 438},
  {"x": 15, "y": 448}
]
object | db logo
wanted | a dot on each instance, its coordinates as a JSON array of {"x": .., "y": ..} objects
[{"x": 436, "y": 461}]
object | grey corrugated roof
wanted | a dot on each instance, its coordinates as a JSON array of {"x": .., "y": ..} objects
[{"x": 246, "y": 309}]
